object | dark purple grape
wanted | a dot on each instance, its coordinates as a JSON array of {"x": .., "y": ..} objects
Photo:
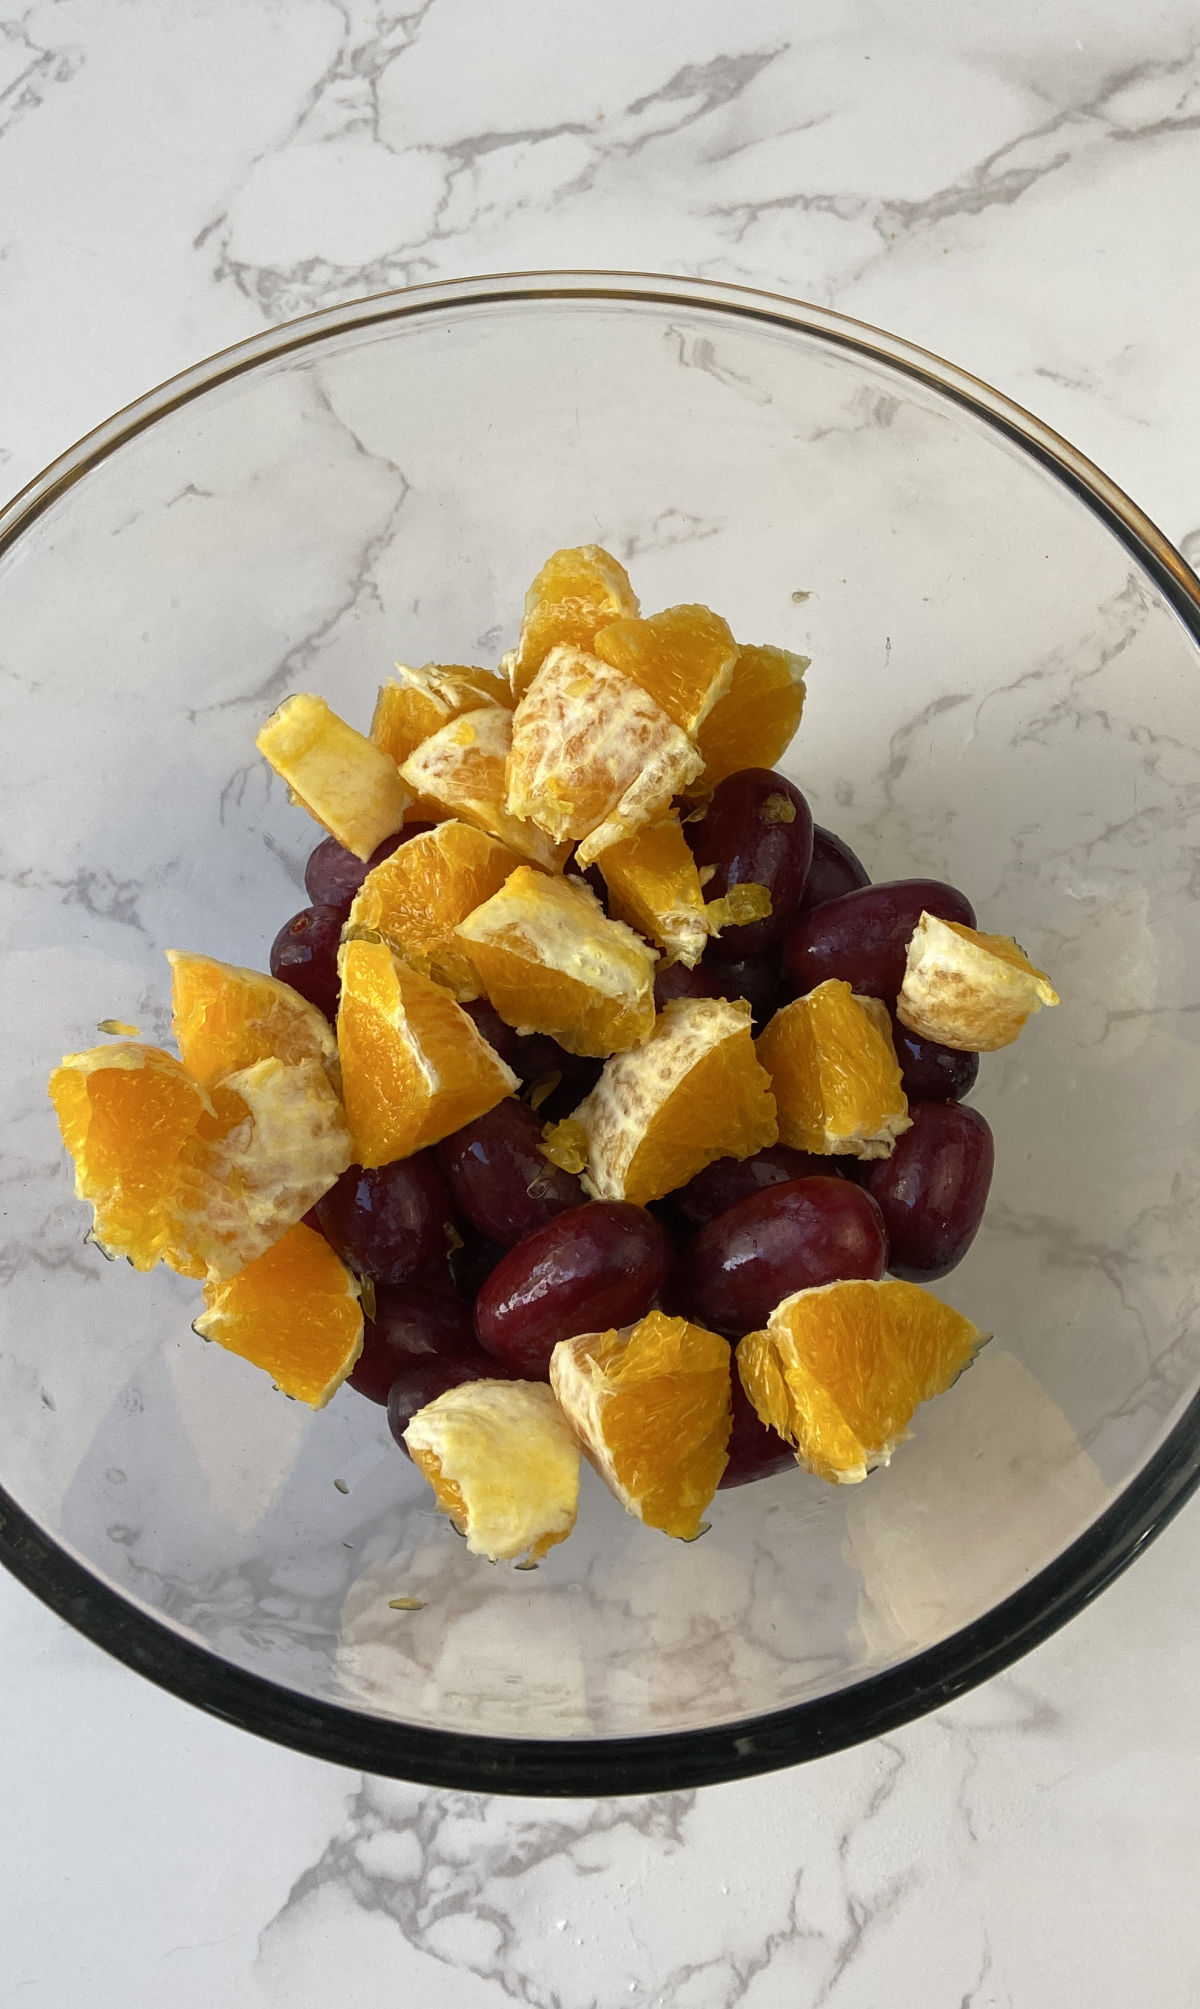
[
  {"x": 834, "y": 870},
  {"x": 333, "y": 875},
  {"x": 863, "y": 937},
  {"x": 500, "y": 1036},
  {"x": 784, "y": 1239},
  {"x": 498, "y": 1177},
  {"x": 754, "y": 1450},
  {"x": 675, "y": 980},
  {"x": 472, "y": 1264},
  {"x": 304, "y": 954},
  {"x": 933, "y": 1189},
  {"x": 596, "y": 1266},
  {"x": 422, "y": 1382},
  {"x": 576, "y": 1077},
  {"x": 758, "y": 979},
  {"x": 394, "y": 1223},
  {"x": 758, "y": 831},
  {"x": 930, "y": 1072},
  {"x": 411, "y": 1323},
  {"x": 721, "y": 1185}
]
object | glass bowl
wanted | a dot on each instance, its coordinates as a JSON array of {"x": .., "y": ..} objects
[{"x": 1003, "y": 693}]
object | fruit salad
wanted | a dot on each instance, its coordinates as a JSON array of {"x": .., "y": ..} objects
[{"x": 599, "y": 1104}]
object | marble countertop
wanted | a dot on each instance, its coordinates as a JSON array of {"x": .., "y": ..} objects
[{"x": 1014, "y": 188}]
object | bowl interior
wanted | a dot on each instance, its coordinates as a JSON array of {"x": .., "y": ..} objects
[{"x": 1000, "y": 695}]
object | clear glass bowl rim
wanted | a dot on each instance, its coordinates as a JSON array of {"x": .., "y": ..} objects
[{"x": 869, "y": 1708}]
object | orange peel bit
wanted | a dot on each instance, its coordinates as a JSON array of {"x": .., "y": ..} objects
[
  {"x": 593, "y": 756},
  {"x": 550, "y": 960},
  {"x": 351, "y": 787},
  {"x": 835, "y": 1074},
  {"x": 503, "y": 1464},
  {"x": 651, "y": 1406},
  {"x": 839, "y": 1370},
  {"x": 968, "y": 990},
  {"x": 694, "y": 1091}
]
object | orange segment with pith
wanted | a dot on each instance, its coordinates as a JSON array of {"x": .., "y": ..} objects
[
  {"x": 834, "y": 1071},
  {"x": 968, "y": 990},
  {"x": 549, "y": 959},
  {"x": 755, "y": 721},
  {"x": 689, "y": 1094},
  {"x": 414, "y": 1068},
  {"x": 683, "y": 658},
  {"x": 294, "y": 1312},
  {"x": 342, "y": 778},
  {"x": 503, "y": 1464},
  {"x": 416, "y": 898},
  {"x": 839, "y": 1370},
  {"x": 414, "y": 703},
  {"x": 654, "y": 885},
  {"x": 594, "y": 757},
  {"x": 651, "y": 1406},
  {"x": 225, "y": 1018},
  {"x": 462, "y": 770},
  {"x": 578, "y": 590}
]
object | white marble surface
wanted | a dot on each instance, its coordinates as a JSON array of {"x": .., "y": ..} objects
[{"x": 1015, "y": 188}]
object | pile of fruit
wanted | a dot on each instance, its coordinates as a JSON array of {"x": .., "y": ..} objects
[{"x": 591, "y": 1101}]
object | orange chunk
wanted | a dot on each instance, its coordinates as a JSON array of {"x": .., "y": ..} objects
[
  {"x": 503, "y": 1464},
  {"x": 225, "y": 1018},
  {"x": 550, "y": 960},
  {"x": 683, "y": 657},
  {"x": 692, "y": 1092},
  {"x": 835, "y": 1074},
  {"x": 754, "y": 723},
  {"x": 969, "y": 990},
  {"x": 276, "y": 1143},
  {"x": 653, "y": 884},
  {"x": 347, "y": 783},
  {"x": 416, "y": 898},
  {"x": 651, "y": 1406},
  {"x": 294, "y": 1312},
  {"x": 461, "y": 769},
  {"x": 414, "y": 703},
  {"x": 840, "y": 1370},
  {"x": 414, "y": 1068},
  {"x": 577, "y": 591},
  {"x": 127, "y": 1114},
  {"x": 593, "y": 756}
]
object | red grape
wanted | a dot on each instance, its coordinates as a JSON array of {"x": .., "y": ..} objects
[
  {"x": 834, "y": 870},
  {"x": 933, "y": 1189},
  {"x": 304, "y": 954},
  {"x": 783, "y": 1239},
  {"x": 472, "y": 1264},
  {"x": 498, "y": 1177},
  {"x": 758, "y": 979},
  {"x": 863, "y": 937},
  {"x": 675, "y": 980},
  {"x": 758, "y": 831},
  {"x": 411, "y": 1323},
  {"x": 333, "y": 875},
  {"x": 931, "y": 1072},
  {"x": 754, "y": 1450},
  {"x": 392, "y": 1223},
  {"x": 422, "y": 1381},
  {"x": 721, "y": 1185},
  {"x": 596, "y": 1266}
]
